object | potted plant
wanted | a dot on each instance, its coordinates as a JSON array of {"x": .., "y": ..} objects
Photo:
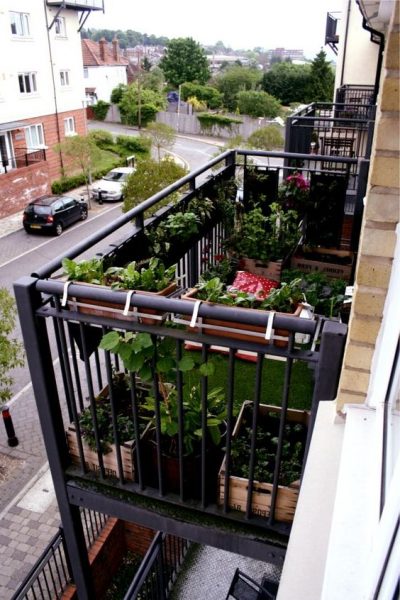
[
  {"x": 264, "y": 243},
  {"x": 266, "y": 455},
  {"x": 137, "y": 352},
  {"x": 100, "y": 412},
  {"x": 151, "y": 277}
]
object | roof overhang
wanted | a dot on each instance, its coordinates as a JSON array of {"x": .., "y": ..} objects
[
  {"x": 13, "y": 125},
  {"x": 377, "y": 13}
]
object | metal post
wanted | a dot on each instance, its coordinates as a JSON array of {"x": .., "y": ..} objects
[{"x": 12, "y": 439}]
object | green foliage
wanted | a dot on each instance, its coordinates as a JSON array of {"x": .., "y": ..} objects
[
  {"x": 266, "y": 238},
  {"x": 130, "y": 143},
  {"x": 213, "y": 124},
  {"x": 161, "y": 135},
  {"x": 266, "y": 138},
  {"x": 184, "y": 60},
  {"x": 322, "y": 80},
  {"x": 258, "y": 104},
  {"x": 101, "y": 137},
  {"x": 126, "y": 39},
  {"x": 324, "y": 294},
  {"x": 147, "y": 100},
  {"x": 234, "y": 80},
  {"x": 284, "y": 298},
  {"x": 151, "y": 177},
  {"x": 287, "y": 82},
  {"x": 11, "y": 351},
  {"x": 60, "y": 186},
  {"x": 205, "y": 93},
  {"x": 87, "y": 270},
  {"x": 100, "y": 110},
  {"x": 153, "y": 80},
  {"x": 117, "y": 93}
]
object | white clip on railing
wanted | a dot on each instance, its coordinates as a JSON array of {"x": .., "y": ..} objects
[
  {"x": 270, "y": 325},
  {"x": 128, "y": 302},
  {"x": 195, "y": 313},
  {"x": 65, "y": 293}
]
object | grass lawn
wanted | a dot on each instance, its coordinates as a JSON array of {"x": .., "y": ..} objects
[{"x": 301, "y": 385}]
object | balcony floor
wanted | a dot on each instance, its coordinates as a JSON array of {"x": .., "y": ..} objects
[{"x": 207, "y": 573}]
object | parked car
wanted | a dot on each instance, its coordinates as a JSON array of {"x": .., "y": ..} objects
[
  {"x": 53, "y": 213},
  {"x": 110, "y": 187}
]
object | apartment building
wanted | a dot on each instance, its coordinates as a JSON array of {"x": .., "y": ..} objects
[{"x": 42, "y": 96}]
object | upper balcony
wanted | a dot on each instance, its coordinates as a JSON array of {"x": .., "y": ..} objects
[
  {"x": 144, "y": 378},
  {"x": 331, "y": 36},
  {"x": 81, "y": 5}
]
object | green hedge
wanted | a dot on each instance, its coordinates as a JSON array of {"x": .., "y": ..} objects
[
  {"x": 210, "y": 121},
  {"x": 100, "y": 110},
  {"x": 139, "y": 145},
  {"x": 60, "y": 186}
]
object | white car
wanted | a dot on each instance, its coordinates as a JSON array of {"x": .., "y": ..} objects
[{"x": 110, "y": 187}]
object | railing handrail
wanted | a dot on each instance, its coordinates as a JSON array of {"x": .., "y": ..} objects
[{"x": 145, "y": 566}]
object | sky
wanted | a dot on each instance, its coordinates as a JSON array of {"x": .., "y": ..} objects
[{"x": 240, "y": 24}]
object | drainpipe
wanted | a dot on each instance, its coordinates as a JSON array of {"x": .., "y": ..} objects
[
  {"x": 346, "y": 34},
  {"x": 381, "y": 42},
  {"x": 54, "y": 86}
]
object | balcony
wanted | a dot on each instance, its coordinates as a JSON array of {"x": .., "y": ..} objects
[
  {"x": 172, "y": 353},
  {"x": 81, "y": 5},
  {"x": 331, "y": 37},
  {"x": 23, "y": 157}
]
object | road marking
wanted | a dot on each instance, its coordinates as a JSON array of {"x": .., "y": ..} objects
[
  {"x": 103, "y": 212},
  {"x": 40, "y": 495}
]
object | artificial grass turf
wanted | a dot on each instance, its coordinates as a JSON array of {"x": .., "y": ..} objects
[{"x": 273, "y": 376}]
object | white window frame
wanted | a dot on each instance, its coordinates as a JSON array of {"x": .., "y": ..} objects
[
  {"x": 28, "y": 80},
  {"x": 69, "y": 126},
  {"x": 34, "y": 136},
  {"x": 64, "y": 78},
  {"x": 20, "y": 21},
  {"x": 59, "y": 27}
]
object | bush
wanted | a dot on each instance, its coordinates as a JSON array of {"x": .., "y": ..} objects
[
  {"x": 210, "y": 122},
  {"x": 117, "y": 93},
  {"x": 101, "y": 137},
  {"x": 258, "y": 104},
  {"x": 100, "y": 110},
  {"x": 140, "y": 145},
  {"x": 266, "y": 138},
  {"x": 60, "y": 186}
]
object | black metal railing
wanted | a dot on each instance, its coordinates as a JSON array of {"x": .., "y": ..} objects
[
  {"x": 51, "y": 574},
  {"x": 159, "y": 569},
  {"x": 79, "y": 4},
  {"x": 23, "y": 157},
  {"x": 331, "y": 36},
  {"x": 355, "y": 94}
]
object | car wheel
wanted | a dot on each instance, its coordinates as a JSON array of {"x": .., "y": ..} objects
[
  {"x": 84, "y": 214},
  {"x": 58, "y": 229}
]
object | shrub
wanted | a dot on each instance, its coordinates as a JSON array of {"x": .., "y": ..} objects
[
  {"x": 101, "y": 137},
  {"x": 100, "y": 110},
  {"x": 60, "y": 186},
  {"x": 139, "y": 145},
  {"x": 210, "y": 122},
  {"x": 266, "y": 138},
  {"x": 258, "y": 104}
]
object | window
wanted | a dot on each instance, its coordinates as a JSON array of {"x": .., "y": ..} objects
[
  {"x": 85, "y": 72},
  {"x": 27, "y": 83},
  {"x": 64, "y": 78},
  {"x": 69, "y": 126},
  {"x": 59, "y": 27},
  {"x": 34, "y": 136},
  {"x": 19, "y": 24}
]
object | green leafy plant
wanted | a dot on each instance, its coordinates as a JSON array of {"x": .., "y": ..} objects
[
  {"x": 89, "y": 270},
  {"x": 214, "y": 290},
  {"x": 11, "y": 350},
  {"x": 100, "y": 110},
  {"x": 151, "y": 278},
  {"x": 324, "y": 294},
  {"x": 284, "y": 298}
]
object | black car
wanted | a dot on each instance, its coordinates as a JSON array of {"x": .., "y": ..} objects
[{"x": 53, "y": 213}]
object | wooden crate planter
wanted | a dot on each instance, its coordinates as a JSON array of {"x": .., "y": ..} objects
[
  {"x": 261, "y": 498},
  {"x": 109, "y": 459},
  {"x": 116, "y": 311},
  {"x": 339, "y": 265},
  {"x": 270, "y": 269},
  {"x": 233, "y": 330}
]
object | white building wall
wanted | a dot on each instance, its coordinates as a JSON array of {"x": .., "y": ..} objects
[
  {"x": 31, "y": 54},
  {"x": 105, "y": 79},
  {"x": 357, "y": 60}
]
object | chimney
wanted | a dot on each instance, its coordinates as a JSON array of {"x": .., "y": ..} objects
[
  {"x": 102, "y": 45},
  {"x": 115, "y": 49}
]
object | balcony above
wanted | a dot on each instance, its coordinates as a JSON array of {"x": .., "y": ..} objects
[
  {"x": 331, "y": 36},
  {"x": 81, "y": 5}
]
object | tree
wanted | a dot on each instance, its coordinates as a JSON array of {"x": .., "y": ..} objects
[
  {"x": 287, "y": 82},
  {"x": 146, "y": 64},
  {"x": 258, "y": 104},
  {"x": 266, "y": 138},
  {"x": 151, "y": 177},
  {"x": 140, "y": 104},
  {"x": 11, "y": 350},
  {"x": 184, "y": 60},
  {"x": 161, "y": 135},
  {"x": 234, "y": 80},
  {"x": 82, "y": 154},
  {"x": 322, "y": 80},
  {"x": 153, "y": 80},
  {"x": 204, "y": 93}
]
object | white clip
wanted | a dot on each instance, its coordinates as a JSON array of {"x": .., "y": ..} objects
[
  {"x": 196, "y": 308},
  {"x": 128, "y": 302},
  {"x": 65, "y": 293},
  {"x": 268, "y": 331}
]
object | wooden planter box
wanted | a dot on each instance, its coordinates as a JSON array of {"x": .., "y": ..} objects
[
  {"x": 340, "y": 265},
  {"x": 271, "y": 269},
  {"x": 115, "y": 311},
  {"x": 109, "y": 459},
  {"x": 238, "y": 331},
  {"x": 261, "y": 499}
]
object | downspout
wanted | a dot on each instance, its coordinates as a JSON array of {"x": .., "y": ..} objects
[
  {"x": 346, "y": 34},
  {"x": 54, "y": 87},
  {"x": 381, "y": 41}
]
